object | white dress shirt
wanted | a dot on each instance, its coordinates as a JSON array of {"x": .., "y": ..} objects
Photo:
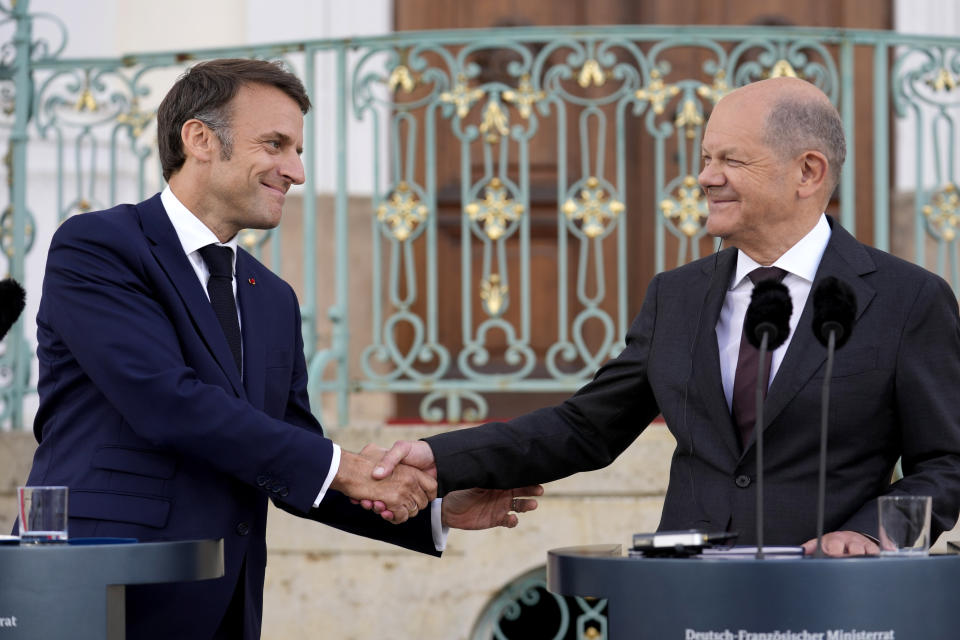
[
  {"x": 194, "y": 235},
  {"x": 800, "y": 262}
]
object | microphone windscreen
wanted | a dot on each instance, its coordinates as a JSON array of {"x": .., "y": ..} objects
[
  {"x": 834, "y": 307},
  {"x": 770, "y": 308},
  {"x": 12, "y": 299}
]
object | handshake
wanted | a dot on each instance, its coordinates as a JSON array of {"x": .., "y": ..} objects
[{"x": 401, "y": 482}]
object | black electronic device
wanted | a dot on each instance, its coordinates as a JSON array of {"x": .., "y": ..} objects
[{"x": 678, "y": 544}]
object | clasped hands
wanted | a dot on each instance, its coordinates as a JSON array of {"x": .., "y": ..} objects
[{"x": 399, "y": 483}]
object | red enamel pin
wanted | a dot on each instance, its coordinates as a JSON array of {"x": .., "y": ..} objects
[{"x": 252, "y": 281}]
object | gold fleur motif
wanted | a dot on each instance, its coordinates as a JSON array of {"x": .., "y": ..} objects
[
  {"x": 719, "y": 89},
  {"x": 657, "y": 93},
  {"x": 591, "y": 73},
  {"x": 86, "y": 101},
  {"x": 593, "y": 208},
  {"x": 687, "y": 211},
  {"x": 689, "y": 117},
  {"x": 496, "y": 210},
  {"x": 942, "y": 81},
  {"x": 524, "y": 97},
  {"x": 462, "y": 96},
  {"x": 402, "y": 212},
  {"x": 943, "y": 212},
  {"x": 136, "y": 119},
  {"x": 494, "y": 122},
  {"x": 783, "y": 69},
  {"x": 401, "y": 77},
  {"x": 494, "y": 295},
  {"x": 250, "y": 238}
]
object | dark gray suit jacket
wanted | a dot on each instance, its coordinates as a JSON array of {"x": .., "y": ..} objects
[{"x": 895, "y": 392}]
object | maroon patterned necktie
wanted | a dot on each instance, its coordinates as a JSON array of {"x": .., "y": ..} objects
[{"x": 745, "y": 379}]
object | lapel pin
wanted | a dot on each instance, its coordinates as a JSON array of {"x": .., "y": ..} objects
[{"x": 252, "y": 281}]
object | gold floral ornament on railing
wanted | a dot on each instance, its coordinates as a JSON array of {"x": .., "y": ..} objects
[
  {"x": 783, "y": 69},
  {"x": 494, "y": 295},
  {"x": 495, "y": 211},
  {"x": 249, "y": 239},
  {"x": 136, "y": 119},
  {"x": 657, "y": 92},
  {"x": 86, "y": 101},
  {"x": 593, "y": 208},
  {"x": 401, "y": 76},
  {"x": 403, "y": 212},
  {"x": 524, "y": 97},
  {"x": 719, "y": 89},
  {"x": 591, "y": 73},
  {"x": 688, "y": 210},
  {"x": 462, "y": 96},
  {"x": 689, "y": 117},
  {"x": 494, "y": 122},
  {"x": 942, "y": 81},
  {"x": 943, "y": 212}
]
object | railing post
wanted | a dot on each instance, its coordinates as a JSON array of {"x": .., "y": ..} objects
[
  {"x": 18, "y": 353},
  {"x": 339, "y": 313}
]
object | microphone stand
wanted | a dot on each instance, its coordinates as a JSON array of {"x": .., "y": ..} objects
[
  {"x": 824, "y": 412},
  {"x": 758, "y": 431}
]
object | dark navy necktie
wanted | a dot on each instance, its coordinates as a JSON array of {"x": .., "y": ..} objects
[
  {"x": 220, "y": 287},
  {"x": 745, "y": 379}
]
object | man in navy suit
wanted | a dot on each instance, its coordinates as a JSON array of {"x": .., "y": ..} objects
[
  {"x": 772, "y": 153},
  {"x": 171, "y": 416}
]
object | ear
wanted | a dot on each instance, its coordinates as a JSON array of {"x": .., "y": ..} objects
[
  {"x": 814, "y": 170},
  {"x": 199, "y": 142}
]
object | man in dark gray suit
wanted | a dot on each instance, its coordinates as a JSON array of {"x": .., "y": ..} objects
[{"x": 772, "y": 152}]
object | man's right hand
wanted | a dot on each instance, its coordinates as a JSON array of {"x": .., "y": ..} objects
[
  {"x": 404, "y": 490},
  {"x": 416, "y": 454}
]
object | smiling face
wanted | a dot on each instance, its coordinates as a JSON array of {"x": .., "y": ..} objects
[
  {"x": 247, "y": 188},
  {"x": 751, "y": 191}
]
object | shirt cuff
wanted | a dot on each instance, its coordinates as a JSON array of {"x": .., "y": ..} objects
[
  {"x": 440, "y": 532},
  {"x": 331, "y": 474}
]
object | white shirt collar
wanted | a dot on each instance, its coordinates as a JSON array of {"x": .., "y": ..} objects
[
  {"x": 801, "y": 260},
  {"x": 193, "y": 234}
]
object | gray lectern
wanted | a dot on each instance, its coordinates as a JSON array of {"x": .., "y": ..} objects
[
  {"x": 798, "y": 598},
  {"x": 77, "y": 592}
]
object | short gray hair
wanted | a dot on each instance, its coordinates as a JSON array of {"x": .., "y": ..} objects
[
  {"x": 217, "y": 120},
  {"x": 797, "y": 124}
]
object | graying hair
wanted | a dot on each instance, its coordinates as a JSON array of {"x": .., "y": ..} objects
[
  {"x": 796, "y": 125},
  {"x": 218, "y": 121}
]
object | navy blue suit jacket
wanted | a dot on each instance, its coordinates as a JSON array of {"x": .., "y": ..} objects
[
  {"x": 144, "y": 415},
  {"x": 894, "y": 391}
]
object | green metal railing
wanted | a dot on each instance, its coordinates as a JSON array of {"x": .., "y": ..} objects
[{"x": 484, "y": 148}]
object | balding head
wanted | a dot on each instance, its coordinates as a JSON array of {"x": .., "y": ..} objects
[
  {"x": 771, "y": 153},
  {"x": 797, "y": 117}
]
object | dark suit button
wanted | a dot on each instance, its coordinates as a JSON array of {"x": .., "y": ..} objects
[
  {"x": 261, "y": 480},
  {"x": 743, "y": 481},
  {"x": 283, "y": 493},
  {"x": 243, "y": 529},
  {"x": 277, "y": 488}
]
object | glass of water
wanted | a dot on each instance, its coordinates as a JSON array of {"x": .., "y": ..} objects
[{"x": 43, "y": 514}]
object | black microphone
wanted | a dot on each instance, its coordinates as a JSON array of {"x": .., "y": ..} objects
[
  {"x": 12, "y": 299},
  {"x": 766, "y": 325},
  {"x": 834, "y": 310}
]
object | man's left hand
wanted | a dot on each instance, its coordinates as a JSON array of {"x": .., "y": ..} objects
[
  {"x": 486, "y": 508},
  {"x": 843, "y": 543}
]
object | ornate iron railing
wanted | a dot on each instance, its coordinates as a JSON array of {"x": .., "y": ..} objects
[{"x": 505, "y": 174}]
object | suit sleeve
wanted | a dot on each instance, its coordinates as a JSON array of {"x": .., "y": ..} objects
[
  {"x": 927, "y": 372},
  {"x": 587, "y": 431},
  {"x": 104, "y": 308}
]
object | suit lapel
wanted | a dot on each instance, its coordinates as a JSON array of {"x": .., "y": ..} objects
[
  {"x": 168, "y": 251},
  {"x": 846, "y": 259},
  {"x": 254, "y": 327},
  {"x": 706, "y": 356}
]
